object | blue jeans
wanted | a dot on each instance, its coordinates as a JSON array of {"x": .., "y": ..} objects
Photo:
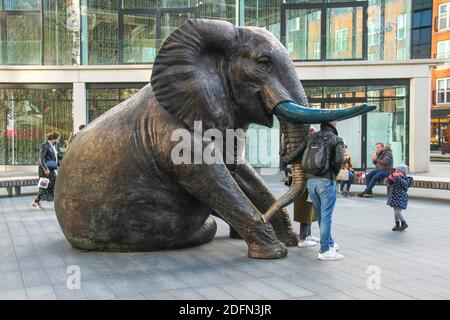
[
  {"x": 323, "y": 197},
  {"x": 373, "y": 177},
  {"x": 348, "y": 182}
]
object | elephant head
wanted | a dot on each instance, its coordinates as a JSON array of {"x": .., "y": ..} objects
[{"x": 229, "y": 77}]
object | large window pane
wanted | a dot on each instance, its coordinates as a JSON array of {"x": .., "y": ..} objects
[
  {"x": 27, "y": 115},
  {"x": 103, "y": 24},
  {"x": 264, "y": 14},
  {"x": 171, "y": 21},
  {"x": 101, "y": 100},
  {"x": 344, "y": 33},
  {"x": 216, "y": 9},
  {"x": 22, "y": 4},
  {"x": 303, "y": 34},
  {"x": 58, "y": 32},
  {"x": 139, "y": 38},
  {"x": 23, "y": 38},
  {"x": 386, "y": 124}
]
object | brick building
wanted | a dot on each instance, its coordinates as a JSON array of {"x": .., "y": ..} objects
[{"x": 440, "y": 105}]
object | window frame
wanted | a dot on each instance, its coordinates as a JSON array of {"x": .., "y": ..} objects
[
  {"x": 447, "y": 51},
  {"x": 446, "y": 17},
  {"x": 403, "y": 27},
  {"x": 446, "y": 91},
  {"x": 39, "y": 13},
  {"x": 373, "y": 38},
  {"x": 322, "y": 7}
]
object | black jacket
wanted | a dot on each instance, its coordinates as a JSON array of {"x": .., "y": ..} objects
[
  {"x": 335, "y": 146},
  {"x": 45, "y": 154}
]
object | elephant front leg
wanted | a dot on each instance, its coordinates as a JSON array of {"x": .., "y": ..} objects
[
  {"x": 259, "y": 194},
  {"x": 216, "y": 188}
]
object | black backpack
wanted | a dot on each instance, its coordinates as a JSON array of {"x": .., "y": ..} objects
[{"x": 315, "y": 159}]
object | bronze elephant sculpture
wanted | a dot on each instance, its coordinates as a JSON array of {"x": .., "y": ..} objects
[{"x": 119, "y": 190}]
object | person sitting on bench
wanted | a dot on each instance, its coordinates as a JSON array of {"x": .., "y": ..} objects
[{"x": 382, "y": 159}]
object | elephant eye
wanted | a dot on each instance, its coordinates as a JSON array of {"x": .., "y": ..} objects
[{"x": 264, "y": 60}]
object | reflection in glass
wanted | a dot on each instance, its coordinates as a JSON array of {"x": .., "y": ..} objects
[
  {"x": 171, "y": 21},
  {"x": 264, "y": 14},
  {"x": 386, "y": 124},
  {"x": 303, "y": 33},
  {"x": 103, "y": 34},
  {"x": 22, "y": 4},
  {"x": 58, "y": 33},
  {"x": 23, "y": 39},
  {"x": 101, "y": 100},
  {"x": 139, "y": 38},
  {"x": 344, "y": 33},
  {"x": 26, "y": 116}
]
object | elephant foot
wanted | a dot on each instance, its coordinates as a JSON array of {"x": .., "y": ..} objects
[
  {"x": 290, "y": 239},
  {"x": 283, "y": 229},
  {"x": 266, "y": 245},
  {"x": 267, "y": 252},
  {"x": 202, "y": 236}
]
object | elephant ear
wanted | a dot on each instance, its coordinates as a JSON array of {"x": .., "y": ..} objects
[{"x": 189, "y": 72}]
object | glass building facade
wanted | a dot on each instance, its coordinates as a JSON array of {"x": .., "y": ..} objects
[
  {"x": 129, "y": 32},
  {"x": 96, "y": 32}
]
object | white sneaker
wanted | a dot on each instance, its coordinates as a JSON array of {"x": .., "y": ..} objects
[
  {"x": 312, "y": 238},
  {"x": 307, "y": 243},
  {"x": 330, "y": 255},
  {"x": 336, "y": 246}
]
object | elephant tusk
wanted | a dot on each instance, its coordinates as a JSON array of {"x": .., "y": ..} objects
[{"x": 292, "y": 112}]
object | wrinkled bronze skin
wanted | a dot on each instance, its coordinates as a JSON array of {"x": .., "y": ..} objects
[{"x": 118, "y": 189}]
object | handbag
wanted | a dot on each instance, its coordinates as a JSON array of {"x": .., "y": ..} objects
[
  {"x": 43, "y": 183},
  {"x": 51, "y": 164},
  {"x": 343, "y": 175}
]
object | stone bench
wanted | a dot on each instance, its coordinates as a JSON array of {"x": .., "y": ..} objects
[
  {"x": 418, "y": 182},
  {"x": 17, "y": 183}
]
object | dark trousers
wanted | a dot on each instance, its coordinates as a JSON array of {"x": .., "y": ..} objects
[
  {"x": 46, "y": 194},
  {"x": 305, "y": 231},
  {"x": 374, "y": 176},
  {"x": 348, "y": 182}
]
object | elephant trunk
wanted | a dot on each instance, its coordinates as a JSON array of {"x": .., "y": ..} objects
[
  {"x": 294, "y": 135},
  {"x": 294, "y": 123}
]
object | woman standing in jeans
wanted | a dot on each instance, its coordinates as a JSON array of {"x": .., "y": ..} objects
[
  {"x": 48, "y": 162},
  {"x": 347, "y": 166}
]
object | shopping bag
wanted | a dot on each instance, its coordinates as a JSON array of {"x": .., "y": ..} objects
[
  {"x": 343, "y": 175},
  {"x": 43, "y": 183}
]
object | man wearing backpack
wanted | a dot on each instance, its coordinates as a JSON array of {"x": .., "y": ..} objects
[{"x": 321, "y": 155}]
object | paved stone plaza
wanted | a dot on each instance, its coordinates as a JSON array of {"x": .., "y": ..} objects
[{"x": 34, "y": 258}]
